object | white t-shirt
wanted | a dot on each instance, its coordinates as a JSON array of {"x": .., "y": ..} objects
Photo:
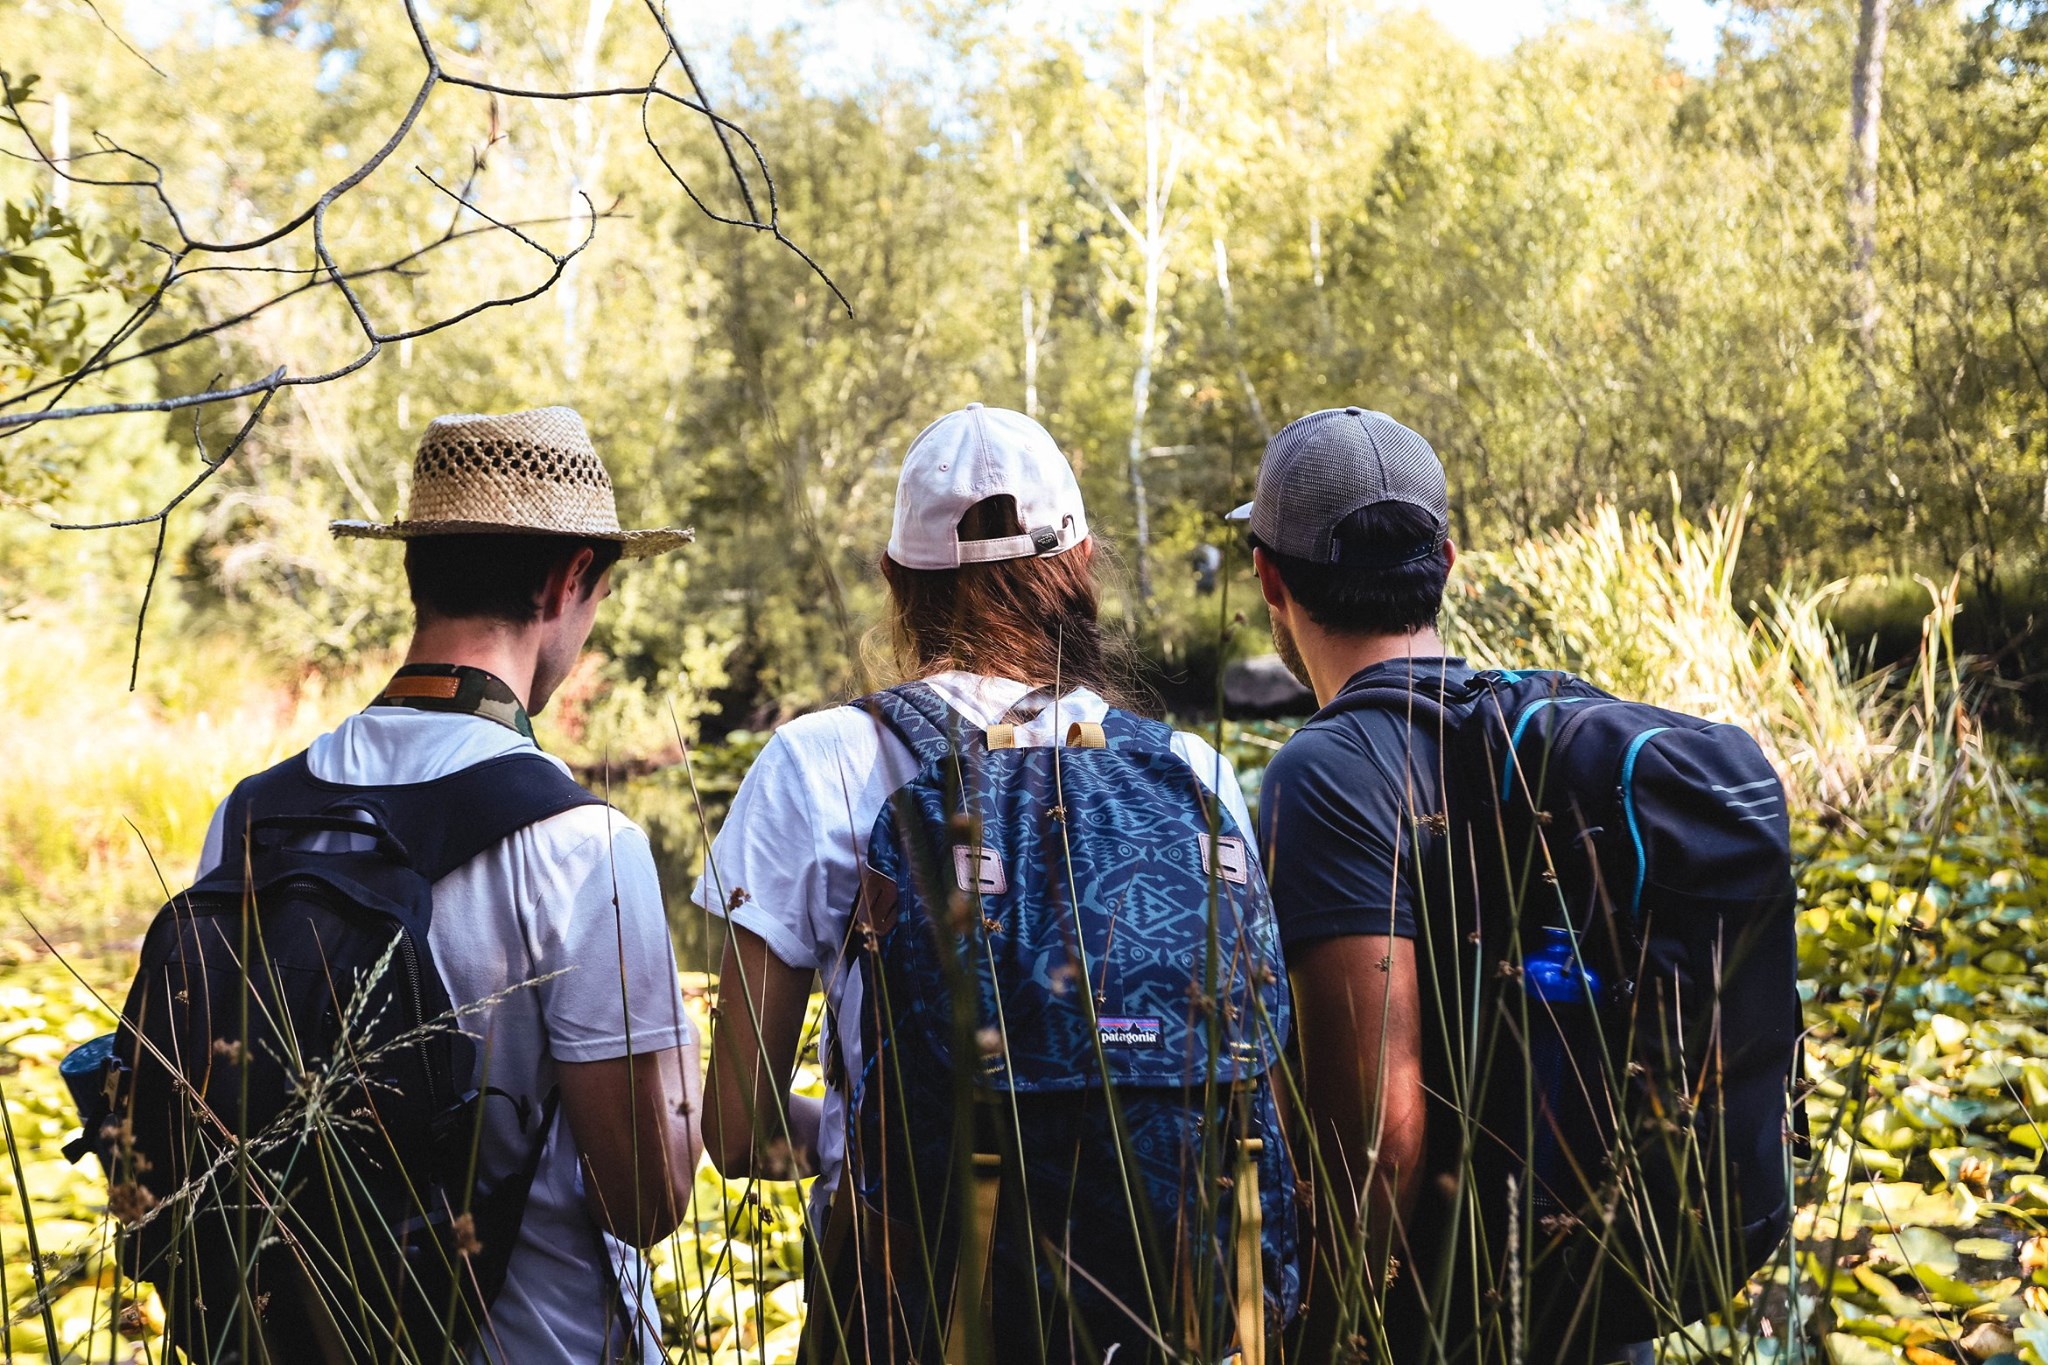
[
  {"x": 797, "y": 834},
  {"x": 576, "y": 895}
]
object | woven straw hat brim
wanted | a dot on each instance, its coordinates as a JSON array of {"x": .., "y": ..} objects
[{"x": 633, "y": 544}]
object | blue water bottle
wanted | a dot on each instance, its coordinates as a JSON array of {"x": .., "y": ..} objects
[{"x": 1567, "y": 1072}]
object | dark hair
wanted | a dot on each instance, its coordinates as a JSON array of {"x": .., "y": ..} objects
[
  {"x": 495, "y": 576},
  {"x": 1365, "y": 600},
  {"x": 1034, "y": 619}
]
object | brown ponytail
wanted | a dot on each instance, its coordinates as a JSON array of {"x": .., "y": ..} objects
[{"x": 1034, "y": 620}]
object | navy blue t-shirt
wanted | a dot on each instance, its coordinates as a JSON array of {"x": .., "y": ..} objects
[
  {"x": 1341, "y": 807},
  {"x": 1349, "y": 849}
]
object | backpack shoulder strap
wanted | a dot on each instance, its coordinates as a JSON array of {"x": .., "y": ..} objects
[
  {"x": 447, "y": 822},
  {"x": 1128, "y": 731},
  {"x": 1508, "y": 689},
  {"x": 441, "y": 824},
  {"x": 286, "y": 788},
  {"x": 919, "y": 717}
]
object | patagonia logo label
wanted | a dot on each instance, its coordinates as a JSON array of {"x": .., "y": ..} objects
[
  {"x": 1124, "y": 1031},
  {"x": 1226, "y": 859}
]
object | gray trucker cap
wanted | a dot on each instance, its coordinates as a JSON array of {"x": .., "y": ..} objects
[{"x": 1321, "y": 468}]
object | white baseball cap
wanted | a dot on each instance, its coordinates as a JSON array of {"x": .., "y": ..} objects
[{"x": 979, "y": 453}]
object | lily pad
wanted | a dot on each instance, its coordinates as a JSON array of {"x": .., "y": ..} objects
[
  {"x": 1844, "y": 1349},
  {"x": 1924, "y": 1249},
  {"x": 1949, "y": 1032},
  {"x": 1985, "y": 1248}
]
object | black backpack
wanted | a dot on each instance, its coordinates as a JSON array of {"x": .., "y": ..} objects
[
  {"x": 286, "y": 1113},
  {"x": 1611, "y": 918}
]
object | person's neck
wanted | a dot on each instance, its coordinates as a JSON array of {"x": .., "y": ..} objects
[
  {"x": 498, "y": 648},
  {"x": 1333, "y": 660}
]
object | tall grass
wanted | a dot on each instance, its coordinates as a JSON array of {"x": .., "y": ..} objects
[
  {"x": 1651, "y": 613},
  {"x": 1644, "y": 610}
]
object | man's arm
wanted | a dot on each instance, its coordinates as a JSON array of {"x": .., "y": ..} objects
[
  {"x": 755, "y": 1126},
  {"x": 1358, "y": 1018},
  {"x": 635, "y": 1123}
]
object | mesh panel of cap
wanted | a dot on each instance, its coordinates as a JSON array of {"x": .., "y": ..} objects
[{"x": 1323, "y": 467}]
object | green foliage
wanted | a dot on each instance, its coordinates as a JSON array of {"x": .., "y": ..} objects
[
  {"x": 51, "y": 268},
  {"x": 1581, "y": 271},
  {"x": 1924, "y": 958}
]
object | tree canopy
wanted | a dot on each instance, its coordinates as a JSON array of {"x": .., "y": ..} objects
[{"x": 1580, "y": 269}]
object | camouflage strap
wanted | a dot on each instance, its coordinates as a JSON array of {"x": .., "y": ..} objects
[{"x": 456, "y": 688}]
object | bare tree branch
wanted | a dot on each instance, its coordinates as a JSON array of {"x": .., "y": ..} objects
[
  {"x": 188, "y": 256},
  {"x": 120, "y": 38}
]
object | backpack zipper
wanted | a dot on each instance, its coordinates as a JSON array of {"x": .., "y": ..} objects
[
  {"x": 409, "y": 956},
  {"x": 1628, "y": 810},
  {"x": 1522, "y": 719}
]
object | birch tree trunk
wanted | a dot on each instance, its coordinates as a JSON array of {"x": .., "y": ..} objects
[
  {"x": 1152, "y": 245},
  {"x": 1141, "y": 407},
  {"x": 1151, "y": 232},
  {"x": 1866, "y": 108}
]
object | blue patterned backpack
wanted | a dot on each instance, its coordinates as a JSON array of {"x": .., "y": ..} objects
[{"x": 1063, "y": 1142}]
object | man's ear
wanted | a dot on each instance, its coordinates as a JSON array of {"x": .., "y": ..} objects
[
  {"x": 1450, "y": 554},
  {"x": 567, "y": 582},
  {"x": 1271, "y": 585}
]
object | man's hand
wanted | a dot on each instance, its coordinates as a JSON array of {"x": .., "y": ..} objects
[
  {"x": 755, "y": 1127},
  {"x": 635, "y": 1122},
  {"x": 1359, "y": 1022}
]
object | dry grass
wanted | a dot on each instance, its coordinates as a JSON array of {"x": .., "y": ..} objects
[
  {"x": 1652, "y": 614},
  {"x": 101, "y": 780}
]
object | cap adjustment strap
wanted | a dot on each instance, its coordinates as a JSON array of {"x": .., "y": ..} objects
[{"x": 1041, "y": 540}]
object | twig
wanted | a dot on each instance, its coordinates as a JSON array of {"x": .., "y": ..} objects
[{"x": 188, "y": 255}]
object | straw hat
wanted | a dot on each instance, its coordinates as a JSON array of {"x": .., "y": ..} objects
[{"x": 524, "y": 471}]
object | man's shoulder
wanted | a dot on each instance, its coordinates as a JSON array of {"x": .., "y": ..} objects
[
  {"x": 1362, "y": 756},
  {"x": 591, "y": 832},
  {"x": 1320, "y": 740}
]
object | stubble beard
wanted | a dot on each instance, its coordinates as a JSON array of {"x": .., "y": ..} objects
[{"x": 1290, "y": 654}]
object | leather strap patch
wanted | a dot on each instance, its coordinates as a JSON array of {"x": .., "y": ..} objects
[
  {"x": 876, "y": 908},
  {"x": 442, "y": 688}
]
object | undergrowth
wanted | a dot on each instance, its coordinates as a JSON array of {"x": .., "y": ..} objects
[{"x": 1923, "y": 937}]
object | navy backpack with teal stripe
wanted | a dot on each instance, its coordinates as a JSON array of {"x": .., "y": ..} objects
[
  {"x": 1072, "y": 1007},
  {"x": 1611, "y": 924}
]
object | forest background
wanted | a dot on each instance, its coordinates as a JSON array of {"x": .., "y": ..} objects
[{"x": 1708, "y": 349}]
